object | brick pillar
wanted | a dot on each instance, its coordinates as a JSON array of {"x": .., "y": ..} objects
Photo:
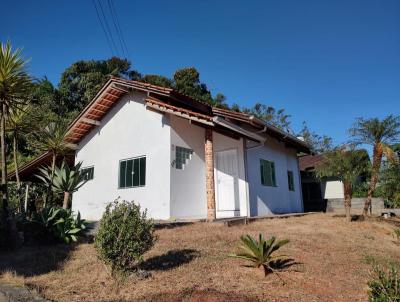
[{"x": 209, "y": 162}]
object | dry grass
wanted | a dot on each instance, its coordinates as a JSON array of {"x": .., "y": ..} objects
[{"x": 189, "y": 263}]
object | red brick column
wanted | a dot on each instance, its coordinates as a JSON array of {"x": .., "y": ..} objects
[{"x": 209, "y": 162}]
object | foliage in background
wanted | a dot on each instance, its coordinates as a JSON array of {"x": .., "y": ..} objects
[
  {"x": 124, "y": 235},
  {"x": 347, "y": 165},
  {"x": 385, "y": 284},
  {"x": 389, "y": 184},
  {"x": 318, "y": 143},
  {"x": 261, "y": 252},
  {"x": 381, "y": 135}
]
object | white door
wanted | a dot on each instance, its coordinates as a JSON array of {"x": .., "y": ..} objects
[{"x": 226, "y": 179}]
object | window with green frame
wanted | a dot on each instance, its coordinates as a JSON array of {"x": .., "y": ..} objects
[
  {"x": 132, "y": 172},
  {"x": 290, "y": 180},
  {"x": 88, "y": 173},
  {"x": 267, "y": 169}
]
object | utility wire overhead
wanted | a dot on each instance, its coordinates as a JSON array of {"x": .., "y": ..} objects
[
  {"x": 103, "y": 28},
  {"x": 117, "y": 26},
  {"x": 107, "y": 27}
]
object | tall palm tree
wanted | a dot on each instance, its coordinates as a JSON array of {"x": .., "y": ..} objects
[
  {"x": 14, "y": 89},
  {"x": 380, "y": 134},
  {"x": 347, "y": 165},
  {"x": 18, "y": 123},
  {"x": 52, "y": 139}
]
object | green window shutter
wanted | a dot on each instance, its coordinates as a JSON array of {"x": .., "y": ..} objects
[
  {"x": 122, "y": 174},
  {"x": 267, "y": 171},
  {"x": 262, "y": 172},
  {"x": 142, "y": 171},
  {"x": 273, "y": 178},
  {"x": 135, "y": 175},
  {"x": 129, "y": 173}
]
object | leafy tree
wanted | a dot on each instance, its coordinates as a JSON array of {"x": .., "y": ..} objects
[
  {"x": 82, "y": 80},
  {"x": 187, "y": 81},
  {"x": 380, "y": 134},
  {"x": 390, "y": 183},
  {"x": 318, "y": 143},
  {"x": 14, "y": 91},
  {"x": 347, "y": 165},
  {"x": 157, "y": 80}
]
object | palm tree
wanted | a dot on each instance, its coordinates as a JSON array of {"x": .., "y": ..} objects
[
  {"x": 14, "y": 88},
  {"x": 52, "y": 139},
  {"x": 347, "y": 165},
  {"x": 65, "y": 180},
  {"x": 380, "y": 134},
  {"x": 18, "y": 123}
]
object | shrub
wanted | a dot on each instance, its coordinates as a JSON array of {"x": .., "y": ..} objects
[
  {"x": 385, "y": 285},
  {"x": 124, "y": 235},
  {"x": 260, "y": 252},
  {"x": 53, "y": 224}
]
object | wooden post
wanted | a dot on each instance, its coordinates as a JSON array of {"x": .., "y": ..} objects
[
  {"x": 26, "y": 197},
  {"x": 209, "y": 165}
]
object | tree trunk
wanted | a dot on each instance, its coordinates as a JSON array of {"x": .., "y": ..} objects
[
  {"x": 53, "y": 167},
  {"x": 347, "y": 200},
  {"x": 376, "y": 166},
  {"x": 66, "y": 200},
  {"x": 15, "y": 156},
  {"x": 9, "y": 223}
]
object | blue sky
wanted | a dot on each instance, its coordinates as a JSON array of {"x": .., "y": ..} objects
[{"x": 325, "y": 62}]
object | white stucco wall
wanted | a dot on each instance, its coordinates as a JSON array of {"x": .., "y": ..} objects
[
  {"x": 265, "y": 200},
  {"x": 188, "y": 186},
  {"x": 128, "y": 130},
  {"x": 332, "y": 189}
]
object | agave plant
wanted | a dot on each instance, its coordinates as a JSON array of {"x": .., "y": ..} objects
[
  {"x": 65, "y": 180},
  {"x": 260, "y": 252}
]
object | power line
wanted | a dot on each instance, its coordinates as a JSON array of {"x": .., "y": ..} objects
[
  {"x": 118, "y": 27},
  {"x": 102, "y": 26},
  {"x": 107, "y": 27}
]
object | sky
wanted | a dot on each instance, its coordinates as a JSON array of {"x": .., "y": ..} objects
[{"x": 324, "y": 62}]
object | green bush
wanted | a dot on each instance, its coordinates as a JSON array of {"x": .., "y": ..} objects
[
  {"x": 52, "y": 224},
  {"x": 124, "y": 235},
  {"x": 385, "y": 286}
]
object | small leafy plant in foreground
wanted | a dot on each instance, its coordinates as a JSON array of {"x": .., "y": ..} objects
[
  {"x": 385, "y": 285},
  {"x": 261, "y": 252},
  {"x": 124, "y": 235}
]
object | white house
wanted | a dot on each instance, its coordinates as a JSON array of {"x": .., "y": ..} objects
[{"x": 179, "y": 157}]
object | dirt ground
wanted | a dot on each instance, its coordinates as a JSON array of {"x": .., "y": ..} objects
[{"x": 190, "y": 263}]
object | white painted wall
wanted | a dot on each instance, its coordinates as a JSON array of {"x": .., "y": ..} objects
[
  {"x": 266, "y": 200},
  {"x": 188, "y": 186},
  {"x": 332, "y": 189},
  {"x": 128, "y": 130}
]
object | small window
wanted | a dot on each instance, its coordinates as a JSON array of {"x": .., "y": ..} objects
[
  {"x": 88, "y": 173},
  {"x": 182, "y": 156},
  {"x": 290, "y": 180},
  {"x": 132, "y": 172},
  {"x": 267, "y": 169}
]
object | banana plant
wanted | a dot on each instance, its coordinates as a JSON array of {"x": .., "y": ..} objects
[{"x": 260, "y": 252}]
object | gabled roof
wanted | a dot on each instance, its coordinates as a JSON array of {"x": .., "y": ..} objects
[
  {"x": 166, "y": 100},
  {"x": 263, "y": 126}
]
